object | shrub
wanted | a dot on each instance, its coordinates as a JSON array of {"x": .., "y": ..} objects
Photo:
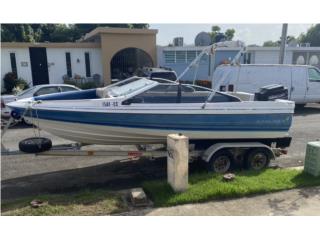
[
  {"x": 22, "y": 84},
  {"x": 9, "y": 81},
  {"x": 65, "y": 77},
  {"x": 88, "y": 85},
  {"x": 12, "y": 83},
  {"x": 70, "y": 82},
  {"x": 81, "y": 83}
]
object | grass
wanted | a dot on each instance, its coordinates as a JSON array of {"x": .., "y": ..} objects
[
  {"x": 87, "y": 202},
  {"x": 208, "y": 186},
  {"x": 202, "y": 187}
]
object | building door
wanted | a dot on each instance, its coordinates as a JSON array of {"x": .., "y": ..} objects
[{"x": 39, "y": 65}]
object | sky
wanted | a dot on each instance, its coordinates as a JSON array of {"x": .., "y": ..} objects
[{"x": 249, "y": 33}]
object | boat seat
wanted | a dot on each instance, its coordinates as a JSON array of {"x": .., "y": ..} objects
[{"x": 101, "y": 92}]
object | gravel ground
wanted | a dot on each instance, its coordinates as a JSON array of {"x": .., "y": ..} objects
[{"x": 26, "y": 174}]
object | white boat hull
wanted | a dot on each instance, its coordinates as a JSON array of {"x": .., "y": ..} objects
[{"x": 110, "y": 135}]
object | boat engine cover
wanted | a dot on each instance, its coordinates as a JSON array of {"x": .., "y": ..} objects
[{"x": 271, "y": 93}]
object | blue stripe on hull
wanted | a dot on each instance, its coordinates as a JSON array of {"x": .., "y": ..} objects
[{"x": 191, "y": 122}]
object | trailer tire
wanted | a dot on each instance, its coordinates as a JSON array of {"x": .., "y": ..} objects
[
  {"x": 257, "y": 159},
  {"x": 35, "y": 145},
  {"x": 220, "y": 162},
  {"x": 26, "y": 122}
]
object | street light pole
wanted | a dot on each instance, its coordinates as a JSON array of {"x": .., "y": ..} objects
[{"x": 283, "y": 43}]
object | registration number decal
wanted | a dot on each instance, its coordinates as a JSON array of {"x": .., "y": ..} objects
[{"x": 110, "y": 104}]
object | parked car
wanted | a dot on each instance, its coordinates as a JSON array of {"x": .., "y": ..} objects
[
  {"x": 302, "y": 81},
  {"x": 164, "y": 73},
  {"x": 152, "y": 73},
  {"x": 32, "y": 92}
]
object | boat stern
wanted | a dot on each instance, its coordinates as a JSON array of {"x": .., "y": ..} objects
[{"x": 290, "y": 105}]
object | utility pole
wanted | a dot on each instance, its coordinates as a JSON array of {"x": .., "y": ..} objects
[{"x": 283, "y": 43}]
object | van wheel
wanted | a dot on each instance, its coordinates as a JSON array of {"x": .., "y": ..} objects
[
  {"x": 257, "y": 159},
  {"x": 35, "y": 145},
  {"x": 220, "y": 162}
]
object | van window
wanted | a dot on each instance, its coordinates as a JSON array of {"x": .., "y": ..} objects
[{"x": 314, "y": 74}]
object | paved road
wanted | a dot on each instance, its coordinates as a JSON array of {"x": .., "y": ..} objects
[
  {"x": 305, "y": 128},
  {"x": 21, "y": 174},
  {"x": 297, "y": 202}
]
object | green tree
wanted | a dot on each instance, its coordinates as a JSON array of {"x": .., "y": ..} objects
[
  {"x": 215, "y": 30},
  {"x": 312, "y": 36},
  {"x": 53, "y": 32},
  {"x": 217, "y": 35},
  {"x": 229, "y": 34},
  {"x": 278, "y": 42},
  {"x": 290, "y": 38},
  {"x": 271, "y": 44},
  {"x": 17, "y": 33}
]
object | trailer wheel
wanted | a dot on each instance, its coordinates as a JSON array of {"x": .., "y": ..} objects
[
  {"x": 257, "y": 159},
  {"x": 220, "y": 162},
  {"x": 35, "y": 145},
  {"x": 26, "y": 122}
]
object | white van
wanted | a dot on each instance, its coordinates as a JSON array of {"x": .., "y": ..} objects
[{"x": 302, "y": 81}]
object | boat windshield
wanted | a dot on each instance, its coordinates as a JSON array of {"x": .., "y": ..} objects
[
  {"x": 178, "y": 93},
  {"x": 121, "y": 90}
]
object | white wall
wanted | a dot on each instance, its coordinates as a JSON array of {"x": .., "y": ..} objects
[
  {"x": 57, "y": 62},
  {"x": 22, "y": 55},
  {"x": 271, "y": 57}
]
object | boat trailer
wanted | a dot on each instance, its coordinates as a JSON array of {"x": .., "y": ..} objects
[{"x": 219, "y": 155}]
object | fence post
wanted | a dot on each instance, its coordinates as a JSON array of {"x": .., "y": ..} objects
[{"x": 178, "y": 161}]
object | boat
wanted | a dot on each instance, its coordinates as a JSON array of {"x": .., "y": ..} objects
[{"x": 139, "y": 110}]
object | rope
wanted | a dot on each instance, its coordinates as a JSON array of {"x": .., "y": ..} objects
[
  {"x": 38, "y": 125},
  {"x": 33, "y": 121}
]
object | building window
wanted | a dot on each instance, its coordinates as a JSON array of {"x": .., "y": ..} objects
[
  {"x": 13, "y": 63},
  {"x": 314, "y": 60},
  {"x": 183, "y": 56},
  {"x": 191, "y": 55},
  {"x": 180, "y": 56},
  {"x": 204, "y": 58},
  {"x": 169, "y": 56},
  {"x": 247, "y": 58},
  {"x": 68, "y": 63},
  {"x": 87, "y": 60},
  {"x": 300, "y": 60}
]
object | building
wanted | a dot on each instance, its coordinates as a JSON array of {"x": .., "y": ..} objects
[
  {"x": 42, "y": 63},
  {"x": 104, "y": 52},
  {"x": 109, "y": 53},
  {"x": 178, "y": 58}
]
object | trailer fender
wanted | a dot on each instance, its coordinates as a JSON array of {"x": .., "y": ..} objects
[{"x": 208, "y": 153}]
